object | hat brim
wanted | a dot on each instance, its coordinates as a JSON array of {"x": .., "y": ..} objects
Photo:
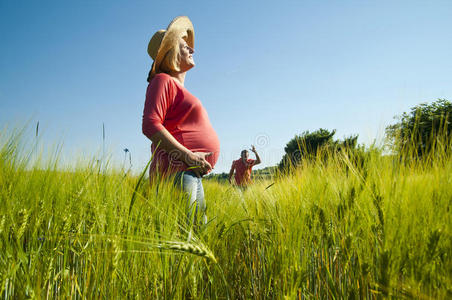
[{"x": 178, "y": 27}]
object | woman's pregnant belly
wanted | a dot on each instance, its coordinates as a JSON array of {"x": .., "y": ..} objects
[{"x": 205, "y": 140}]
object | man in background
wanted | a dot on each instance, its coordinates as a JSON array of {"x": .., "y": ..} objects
[{"x": 242, "y": 168}]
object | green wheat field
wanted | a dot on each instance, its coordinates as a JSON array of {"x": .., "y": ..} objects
[{"x": 339, "y": 226}]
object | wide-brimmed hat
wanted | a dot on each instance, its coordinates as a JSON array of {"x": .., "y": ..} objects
[{"x": 163, "y": 40}]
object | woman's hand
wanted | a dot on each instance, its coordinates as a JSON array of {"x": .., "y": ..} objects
[
  {"x": 195, "y": 160},
  {"x": 198, "y": 163}
]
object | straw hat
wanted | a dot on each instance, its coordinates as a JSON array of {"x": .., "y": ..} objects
[{"x": 164, "y": 40}]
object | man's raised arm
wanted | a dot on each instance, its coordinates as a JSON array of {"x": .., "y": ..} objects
[{"x": 258, "y": 159}]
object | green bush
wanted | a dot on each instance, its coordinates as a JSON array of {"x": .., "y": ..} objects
[
  {"x": 309, "y": 145},
  {"x": 418, "y": 132}
]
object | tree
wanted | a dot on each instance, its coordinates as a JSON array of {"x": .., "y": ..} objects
[
  {"x": 418, "y": 131},
  {"x": 308, "y": 144}
]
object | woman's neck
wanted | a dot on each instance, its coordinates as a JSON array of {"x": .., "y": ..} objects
[{"x": 179, "y": 76}]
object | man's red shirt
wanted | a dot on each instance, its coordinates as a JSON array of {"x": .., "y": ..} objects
[{"x": 243, "y": 171}]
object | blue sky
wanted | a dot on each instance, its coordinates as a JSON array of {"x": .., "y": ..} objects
[{"x": 265, "y": 70}]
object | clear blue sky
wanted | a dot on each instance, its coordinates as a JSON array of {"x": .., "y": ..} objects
[{"x": 266, "y": 70}]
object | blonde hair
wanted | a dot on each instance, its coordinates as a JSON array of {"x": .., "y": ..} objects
[{"x": 170, "y": 62}]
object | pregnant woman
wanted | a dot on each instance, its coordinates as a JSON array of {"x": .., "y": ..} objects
[{"x": 184, "y": 142}]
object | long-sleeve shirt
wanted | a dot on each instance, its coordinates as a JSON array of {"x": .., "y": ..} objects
[{"x": 170, "y": 105}]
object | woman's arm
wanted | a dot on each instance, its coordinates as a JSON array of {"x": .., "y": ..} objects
[{"x": 193, "y": 159}]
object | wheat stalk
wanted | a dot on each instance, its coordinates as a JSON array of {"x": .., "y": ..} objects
[{"x": 198, "y": 250}]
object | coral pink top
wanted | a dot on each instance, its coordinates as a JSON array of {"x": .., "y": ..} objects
[
  {"x": 169, "y": 105},
  {"x": 243, "y": 171}
]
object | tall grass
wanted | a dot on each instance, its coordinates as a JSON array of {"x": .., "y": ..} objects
[{"x": 339, "y": 227}]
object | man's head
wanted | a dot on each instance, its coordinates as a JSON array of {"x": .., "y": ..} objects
[{"x": 244, "y": 154}]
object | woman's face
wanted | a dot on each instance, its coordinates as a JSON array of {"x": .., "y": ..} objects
[{"x": 186, "y": 56}]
